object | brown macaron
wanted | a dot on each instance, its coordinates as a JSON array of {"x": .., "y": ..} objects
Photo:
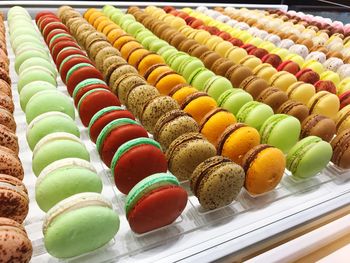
[
  {"x": 10, "y": 163},
  {"x": 154, "y": 109},
  {"x": 187, "y": 152},
  {"x": 6, "y": 102},
  {"x": 14, "y": 201},
  {"x": 125, "y": 83},
  {"x": 295, "y": 109},
  {"x": 237, "y": 73},
  {"x": 172, "y": 125},
  {"x": 254, "y": 85},
  {"x": 341, "y": 149},
  {"x": 137, "y": 96},
  {"x": 318, "y": 125},
  {"x": 120, "y": 71},
  {"x": 216, "y": 182},
  {"x": 96, "y": 47},
  {"x": 104, "y": 53},
  {"x": 198, "y": 50},
  {"x": 4, "y": 75},
  {"x": 221, "y": 66},
  {"x": 8, "y": 139},
  {"x": 273, "y": 97},
  {"x": 14, "y": 242},
  {"x": 110, "y": 64},
  {"x": 209, "y": 58},
  {"x": 7, "y": 119}
]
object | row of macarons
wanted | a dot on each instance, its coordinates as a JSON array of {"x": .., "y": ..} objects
[
  {"x": 14, "y": 199},
  {"x": 212, "y": 135},
  {"x": 335, "y": 44},
  {"x": 60, "y": 159},
  {"x": 298, "y": 91},
  {"x": 311, "y": 71},
  {"x": 308, "y": 125},
  {"x": 124, "y": 146},
  {"x": 285, "y": 50}
]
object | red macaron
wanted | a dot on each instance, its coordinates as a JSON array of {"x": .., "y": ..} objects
[
  {"x": 93, "y": 101},
  {"x": 135, "y": 160},
  {"x": 308, "y": 75},
  {"x": 71, "y": 61},
  {"x": 85, "y": 86},
  {"x": 114, "y": 134},
  {"x": 51, "y": 26},
  {"x": 61, "y": 45},
  {"x": 44, "y": 13},
  {"x": 54, "y": 33},
  {"x": 272, "y": 59},
  {"x": 59, "y": 38},
  {"x": 344, "y": 99},
  {"x": 66, "y": 52},
  {"x": 289, "y": 66},
  {"x": 325, "y": 85},
  {"x": 45, "y": 20},
  {"x": 78, "y": 73},
  {"x": 105, "y": 116}
]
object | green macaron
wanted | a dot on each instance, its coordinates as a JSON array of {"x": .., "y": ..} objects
[
  {"x": 64, "y": 178},
  {"x": 217, "y": 85},
  {"x": 308, "y": 157},
  {"x": 23, "y": 56},
  {"x": 24, "y": 39},
  {"x": 281, "y": 131},
  {"x": 57, "y": 146},
  {"x": 31, "y": 89},
  {"x": 49, "y": 100},
  {"x": 79, "y": 224},
  {"x": 234, "y": 99},
  {"x": 188, "y": 66},
  {"x": 37, "y": 61},
  {"x": 254, "y": 114},
  {"x": 199, "y": 77},
  {"x": 50, "y": 122}
]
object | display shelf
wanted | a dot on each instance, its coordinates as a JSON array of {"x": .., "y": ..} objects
[{"x": 197, "y": 234}]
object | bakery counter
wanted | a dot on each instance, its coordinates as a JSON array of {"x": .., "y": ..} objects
[{"x": 235, "y": 232}]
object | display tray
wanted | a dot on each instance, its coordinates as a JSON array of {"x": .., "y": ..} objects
[{"x": 243, "y": 223}]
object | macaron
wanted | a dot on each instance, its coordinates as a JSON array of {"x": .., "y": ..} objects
[
  {"x": 15, "y": 200},
  {"x": 237, "y": 73},
  {"x": 254, "y": 114},
  {"x": 89, "y": 215},
  {"x": 264, "y": 71},
  {"x": 166, "y": 81},
  {"x": 56, "y": 146},
  {"x": 308, "y": 157},
  {"x": 8, "y": 139},
  {"x": 308, "y": 75},
  {"x": 49, "y": 122},
  {"x": 64, "y": 178},
  {"x": 10, "y": 164},
  {"x": 14, "y": 241},
  {"x": 103, "y": 117},
  {"x": 264, "y": 167},
  {"x": 80, "y": 72},
  {"x": 154, "y": 202},
  {"x": 189, "y": 146},
  {"x": 6, "y": 102},
  {"x": 93, "y": 101},
  {"x": 199, "y": 77},
  {"x": 71, "y": 61},
  {"x": 172, "y": 125},
  {"x": 85, "y": 86},
  {"x": 155, "y": 108},
  {"x": 295, "y": 109},
  {"x": 325, "y": 85},
  {"x": 30, "y": 89},
  {"x": 37, "y": 74},
  {"x": 236, "y": 140},
  {"x": 135, "y": 160},
  {"x": 318, "y": 125},
  {"x": 324, "y": 103},
  {"x": 48, "y": 100},
  {"x": 215, "y": 122},
  {"x": 281, "y": 131},
  {"x": 7, "y": 119},
  {"x": 66, "y": 52},
  {"x": 35, "y": 61},
  {"x": 341, "y": 150},
  {"x": 198, "y": 105},
  {"x": 216, "y": 182},
  {"x": 216, "y": 85},
  {"x": 343, "y": 120},
  {"x": 282, "y": 80},
  {"x": 114, "y": 134},
  {"x": 289, "y": 66},
  {"x": 300, "y": 91}
]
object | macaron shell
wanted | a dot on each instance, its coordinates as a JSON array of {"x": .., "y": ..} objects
[
  {"x": 94, "y": 226},
  {"x": 31, "y": 89},
  {"x": 93, "y": 101},
  {"x": 158, "y": 208},
  {"x": 67, "y": 65},
  {"x": 14, "y": 242},
  {"x": 265, "y": 172},
  {"x": 98, "y": 124},
  {"x": 10, "y": 163},
  {"x": 137, "y": 163},
  {"x": 79, "y": 93},
  {"x": 64, "y": 182},
  {"x": 57, "y": 150},
  {"x": 198, "y": 107},
  {"x": 67, "y": 52},
  {"x": 117, "y": 137}
]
